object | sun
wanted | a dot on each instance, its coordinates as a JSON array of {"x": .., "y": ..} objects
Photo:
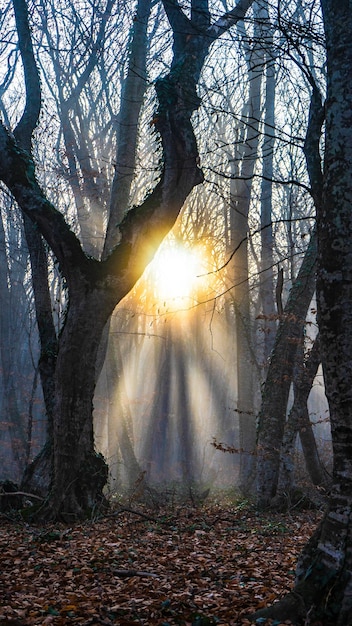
[{"x": 177, "y": 273}]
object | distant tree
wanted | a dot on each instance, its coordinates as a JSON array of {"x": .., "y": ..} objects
[
  {"x": 272, "y": 414},
  {"x": 21, "y": 394},
  {"x": 298, "y": 424},
  {"x": 13, "y": 431},
  {"x": 280, "y": 375},
  {"x": 243, "y": 165}
]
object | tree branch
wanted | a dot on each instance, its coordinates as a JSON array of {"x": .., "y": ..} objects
[
  {"x": 96, "y": 50},
  {"x": 17, "y": 172},
  {"x": 311, "y": 146},
  {"x": 200, "y": 14},
  {"x": 229, "y": 19},
  {"x": 30, "y": 116},
  {"x": 181, "y": 25}
]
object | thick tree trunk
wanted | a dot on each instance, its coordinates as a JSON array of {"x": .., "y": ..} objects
[
  {"x": 324, "y": 575},
  {"x": 79, "y": 474}
]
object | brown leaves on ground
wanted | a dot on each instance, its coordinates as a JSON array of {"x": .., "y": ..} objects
[{"x": 200, "y": 566}]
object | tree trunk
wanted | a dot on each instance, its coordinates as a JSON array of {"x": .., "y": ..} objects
[
  {"x": 37, "y": 253},
  {"x": 272, "y": 415},
  {"x": 79, "y": 473},
  {"x": 242, "y": 170},
  {"x": 132, "y": 94},
  {"x": 119, "y": 417},
  {"x": 157, "y": 445},
  {"x": 36, "y": 477},
  {"x": 266, "y": 277},
  {"x": 298, "y": 422},
  {"x": 12, "y": 426},
  {"x": 324, "y": 574},
  {"x": 46, "y": 328}
]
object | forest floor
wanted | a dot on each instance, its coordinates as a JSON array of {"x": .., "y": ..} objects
[{"x": 198, "y": 566}]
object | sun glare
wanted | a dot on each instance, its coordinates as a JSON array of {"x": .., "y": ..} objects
[{"x": 177, "y": 273}]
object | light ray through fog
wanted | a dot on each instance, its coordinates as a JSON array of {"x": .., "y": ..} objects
[
  {"x": 178, "y": 395},
  {"x": 173, "y": 392}
]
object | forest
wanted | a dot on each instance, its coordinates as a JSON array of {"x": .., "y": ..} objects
[{"x": 176, "y": 312}]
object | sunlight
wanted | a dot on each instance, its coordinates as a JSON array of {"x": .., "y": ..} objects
[{"x": 177, "y": 273}]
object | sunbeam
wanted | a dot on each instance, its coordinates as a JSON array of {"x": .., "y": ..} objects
[{"x": 177, "y": 274}]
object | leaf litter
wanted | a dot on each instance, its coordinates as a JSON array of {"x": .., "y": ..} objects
[{"x": 199, "y": 566}]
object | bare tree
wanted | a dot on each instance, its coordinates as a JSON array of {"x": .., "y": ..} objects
[
  {"x": 243, "y": 167},
  {"x": 95, "y": 287},
  {"x": 272, "y": 415}
]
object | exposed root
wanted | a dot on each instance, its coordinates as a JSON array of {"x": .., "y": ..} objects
[{"x": 291, "y": 607}]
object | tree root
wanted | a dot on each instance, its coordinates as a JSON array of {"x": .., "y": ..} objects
[
  {"x": 21, "y": 493},
  {"x": 291, "y": 607}
]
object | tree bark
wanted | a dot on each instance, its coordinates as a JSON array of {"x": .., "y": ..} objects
[
  {"x": 79, "y": 474},
  {"x": 11, "y": 422},
  {"x": 133, "y": 90},
  {"x": 298, "y": 423},
  {"x": 272, "y": 415},
  {"x": 324, "y": 574},
  {"x": 266, "y": 287},
  {"x": 37, "y": 253}
]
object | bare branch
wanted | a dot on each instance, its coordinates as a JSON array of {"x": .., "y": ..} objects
[
  {"x": 311, "y": 145},
  {"x": 229, "y": 19},
  {"x": 29, "y": 119},
  {"x": 200, "y": 14},
  {"x": 17, "y": 172}
]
